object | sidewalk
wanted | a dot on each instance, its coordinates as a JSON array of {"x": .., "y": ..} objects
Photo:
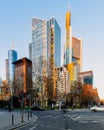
[{"x": 10, "y": 120}]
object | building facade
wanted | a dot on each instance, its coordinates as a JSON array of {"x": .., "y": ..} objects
[
  {"x": 62, "y": 84},
  {"x": 22, "y": 76},
  {"x": 12, "y": 57},
  {"x": 73, "y": 46},
  {"x": 68, "y": 42},
  {"x": 45, "y": 49},
  {"x": 44, "y": 34},
  {"x": 77, "y": 51},
  {"x": 86, "y": 77}
]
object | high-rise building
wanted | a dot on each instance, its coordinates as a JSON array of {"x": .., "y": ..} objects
[
  {"x": 72, "y": 51},
  {"x": 43, "y": 34},
  {"x": 46, "y": 47},
  {"x": 73, "y": 45},
  {"x": 68, "y": 42},
  {"x": 12, "y": 56}
]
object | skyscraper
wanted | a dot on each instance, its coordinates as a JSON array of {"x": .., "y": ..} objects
[
  {"x": 43, "y": 34},
  {"x": 46, "y": 46},
  {"x": 73, "y": 45},
  {"x": 12, "y": 56},
  {"x": 68, "y": 42}
]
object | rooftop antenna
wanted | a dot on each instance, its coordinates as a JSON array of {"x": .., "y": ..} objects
[
  {"x": 13, "y": 44},
  {"x": 69, "y": 5}
]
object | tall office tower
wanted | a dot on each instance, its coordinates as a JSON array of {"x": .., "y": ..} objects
[
  {"x": 12, "y": 56},
  {"x": 68, "y": 45},
  {"x": 44, "y": 34},
  {"x": 77, "y": 52},
  {"x": 46, "y": 46}
]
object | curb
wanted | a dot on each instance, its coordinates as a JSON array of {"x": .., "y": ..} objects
[{"x": 20, "y": 124}]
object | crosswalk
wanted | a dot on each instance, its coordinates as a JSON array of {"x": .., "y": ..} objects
[
  {"x": 78, "y": 117},
  {"x": 88, "y": 118}
]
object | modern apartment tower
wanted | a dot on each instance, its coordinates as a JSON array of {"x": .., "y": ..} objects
[{"x": 12, "y": 56}]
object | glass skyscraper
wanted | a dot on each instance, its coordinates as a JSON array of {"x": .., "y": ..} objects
[
  {"x": 44, "y": 34},
  {"x": 45, "y": 52},
  {"x": 12, "y": 56}
]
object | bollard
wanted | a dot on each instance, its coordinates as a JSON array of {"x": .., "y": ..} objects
[
  {"x": 22, "y": 117},
  {"x": 28, "y": 115},
  {"x": 25, "y": 111},
  {"x": 12, "y": 119},
  {"x": 31, "y": 114}
]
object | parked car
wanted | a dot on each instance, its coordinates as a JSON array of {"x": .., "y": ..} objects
[
  {"x": 37, "y": 108},
  {"x": 97, "y": 108}
]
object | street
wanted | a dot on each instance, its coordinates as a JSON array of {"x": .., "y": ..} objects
[{"x": 71, "y": 120}]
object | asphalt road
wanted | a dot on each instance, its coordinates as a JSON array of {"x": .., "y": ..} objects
[{"x": 71, "y": 120}]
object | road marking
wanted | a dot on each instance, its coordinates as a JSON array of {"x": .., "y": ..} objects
[
  {"x": 32, "y": 128},
  {"x": 39, "y": 125},
  {"x": 57, "y": 116}
]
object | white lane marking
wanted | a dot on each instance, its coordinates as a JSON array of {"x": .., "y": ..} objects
[
  {"x": 49, "y": 127},
  {"x": 32, "y": 128},
  {"x": 76, "y": 118},
  {"x": 57, "y": 116}
]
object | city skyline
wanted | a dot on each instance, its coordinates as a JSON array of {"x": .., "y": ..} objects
[{"x": 15, "y": 25}]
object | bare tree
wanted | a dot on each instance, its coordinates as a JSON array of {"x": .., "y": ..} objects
[{"x": 39, "y": 80}]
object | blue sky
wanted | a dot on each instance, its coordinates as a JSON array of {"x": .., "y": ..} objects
[{"x": 87, "y": 23}]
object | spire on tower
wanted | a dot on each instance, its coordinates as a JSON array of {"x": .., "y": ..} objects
[
  {"x": 69, "y": 5},
  {"x": 13, "y": 44}
]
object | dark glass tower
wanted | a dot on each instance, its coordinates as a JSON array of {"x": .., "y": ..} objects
[{"x": 12, "y": 56}]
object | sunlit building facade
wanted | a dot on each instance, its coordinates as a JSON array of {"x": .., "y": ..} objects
[
  {"x": 68, "y": 42},
  {"x": 42, "y": 40},
  {"x": 77, "y": 51},
  {"x": 73, "y": 45},
  {"x": 45, "y": 47},
  {"x": 62, "y": 84},
  {"x": 73, "y": 71}
]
